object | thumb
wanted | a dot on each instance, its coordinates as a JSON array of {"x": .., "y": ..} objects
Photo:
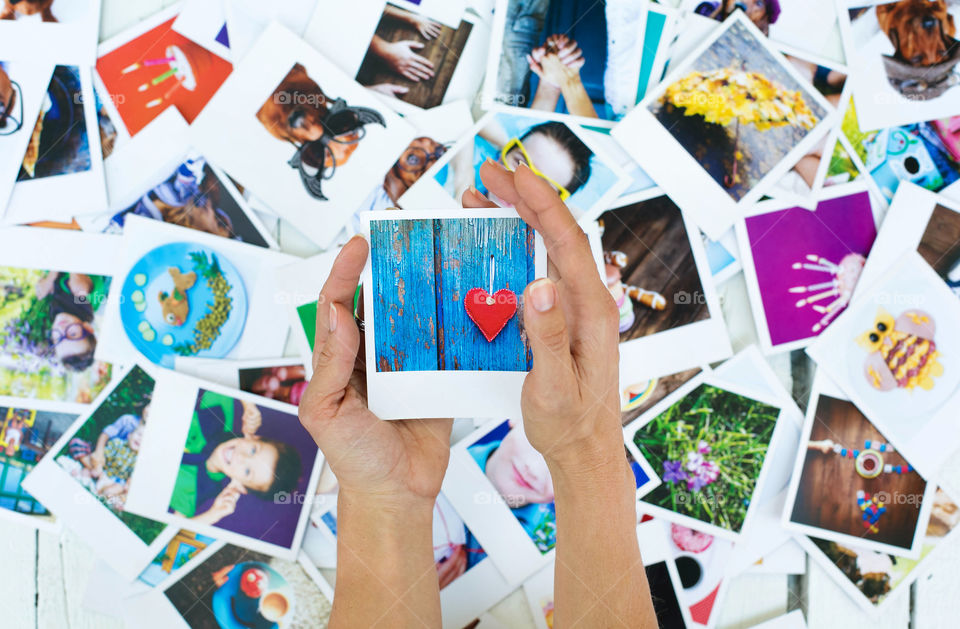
[
  {"x": 546, "y": 329},
  {"x": 335, "y": 361}
]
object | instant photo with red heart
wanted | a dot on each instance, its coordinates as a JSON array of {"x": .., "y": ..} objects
[{"x": 443, "y": 312}]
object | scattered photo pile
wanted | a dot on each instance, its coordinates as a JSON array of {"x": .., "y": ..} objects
[{"x": 771, "y": 193}]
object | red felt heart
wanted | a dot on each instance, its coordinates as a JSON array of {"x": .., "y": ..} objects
[{"x": 490, "y": 312}]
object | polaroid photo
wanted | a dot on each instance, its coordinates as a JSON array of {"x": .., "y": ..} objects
[
  {"x": 182, "y": 292},
  {"x": 54, "y": 284},
  {"x": 850, "y": 485},
  {"x": 658, "y": 34},
  {"x": 281, "y": 379},
  {"x": 443, "y": 312},
  {"x": 905, "y": 69},
  {"x": 320, "y": 546},
  {"x": 809, "y": 27},
  {"x": 27, "y": 433},
  {"x": 437, "y": 130},
  {"x": 22, "y": 94},
  {"x": 714, "y": 162},
  {"x": 248, "y": 19},
  {"x": 739, "y": 433},
  {"x": 802, "y": 267},
  {"x": 662, "y": 577},
  {"x": 68, "y": 29},
  {"x": 656, "y": 269},
  {"x": 723, "y": 256},
  {"x": 232, "y": 465},
  {"x": 532, "y": 52},
  {"x": 639, "y": 396},
  {"x": 297, "y": 289},
  {"x": 922, "y": 221},
  {"x": 106, "y": 590},
  {"x": 231, "y": 586},
  {"x": 469, "y": 580},
  {"x": 640, "y": 186},
  {"x": 157, "y": 176},
  {"x": 63, "y": 159},
  {"x": 585, "y": 178},
  {"x": 875, "y": 580},
  {"x": 404, "y": 52},
  {"x": 270, "y": 128},
  {"x": 514, "y": 518},
  {"x": 86, "y": 478},
  {"x": 895, "y": 353},
  {"x": 701, "y": 560},
  {"x": 150, "y": 67},
  {"x": 926, "y": 154},
  {"x": 205, "y": 22},
  {"x": 448, "y": 12}
]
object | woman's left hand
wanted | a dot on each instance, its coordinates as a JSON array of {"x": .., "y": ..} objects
[{"x": 398, "y": 462}]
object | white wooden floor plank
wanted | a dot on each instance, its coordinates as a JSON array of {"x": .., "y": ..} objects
[
  {"x": 752, "y": 599},
  {"x": 18, "y": 586},
  {"x": 51, "y": 597},
  {"x": 78, "y": 560}
]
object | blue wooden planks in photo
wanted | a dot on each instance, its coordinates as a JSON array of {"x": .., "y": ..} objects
[
  {"x": 404, "y": 290},
  {"x": 422, "y": 270},
  {"x": 465, "y": 248}
]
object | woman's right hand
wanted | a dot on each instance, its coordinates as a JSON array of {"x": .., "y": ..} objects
[
  {"x": 559, "y": 48},
  {"x": 570, "y": 402}
]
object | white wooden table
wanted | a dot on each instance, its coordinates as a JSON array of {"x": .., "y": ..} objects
[{"x": 43, "y": 577}]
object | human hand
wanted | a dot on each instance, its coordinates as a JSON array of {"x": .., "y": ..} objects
[
  {"x": 251, "y": 420},
  {"x": 424, "y": 25},
  {"x": 559, "y": 48},
  {"x": 224, "y": 504},
  {"x": 402, "y": 59},
  {"x": 389, "y": 89},
  {"x": 400, "y": 462},
  {"x": 570, "y": 400}
]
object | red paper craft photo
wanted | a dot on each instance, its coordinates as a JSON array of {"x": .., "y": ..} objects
[{"x": 157, "y": 69}]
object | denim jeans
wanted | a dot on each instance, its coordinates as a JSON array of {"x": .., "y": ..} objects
[{"x": 522, "y": 33}]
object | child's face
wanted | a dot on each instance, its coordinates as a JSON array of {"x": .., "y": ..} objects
[
  {"x": 252, "y": 462},
  {"x": 518, "y": 472},
  {"x": 547, "y": 155},
  {"x": 136, "y": 438},
  {"x": 70, "y": 347}
]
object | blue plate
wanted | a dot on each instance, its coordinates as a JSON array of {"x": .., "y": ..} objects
[{"x": 141, "y": 311}]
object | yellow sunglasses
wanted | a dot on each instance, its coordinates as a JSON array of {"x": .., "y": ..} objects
[{"x": 516, "y": 143}]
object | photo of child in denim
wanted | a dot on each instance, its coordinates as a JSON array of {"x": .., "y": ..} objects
[
  {"x": 225, "y": 459},
  {"x": 520, "y": 475},
  {"x": 106, "y": 467}
]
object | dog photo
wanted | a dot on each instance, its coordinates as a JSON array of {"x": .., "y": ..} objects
[
  {"x": 575, "y": 59},
  {"x": 926, "y": 154},
  {"x": 803, "y": 266},
  {"x": 26, "y": 436},
  {"x": 228, "y": 464},
  {"x": 155, "y": 177},
  {"x": 67, "y": 28},
  {"x": 52, "y": 316},
  {"x": 321, "y": 142},
  {"x": 731, "y": 120},
  {"x": 872, "y": 578},
  {"x": 86, "y": 477},
  {"x": 656, "y": 270},
  {"x": 63, "y": 155},
  {"x": 585, "y": 177},
  {"x": 152, "y": 67},
  {"x": 708, "y": 442},
  {"x": 907, "y": 53},
  {"x": 443, "y": 303},
  {"x": 851, "y": 486},
  {"x": 229, "y": 586},
  {"x": 895, "y": 358}
]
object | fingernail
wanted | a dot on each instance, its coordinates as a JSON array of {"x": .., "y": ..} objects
[
  {"x": 490, "y": 161},
  {"x": 543, "y": 295},
  {"x": 333, "y": 317}
]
